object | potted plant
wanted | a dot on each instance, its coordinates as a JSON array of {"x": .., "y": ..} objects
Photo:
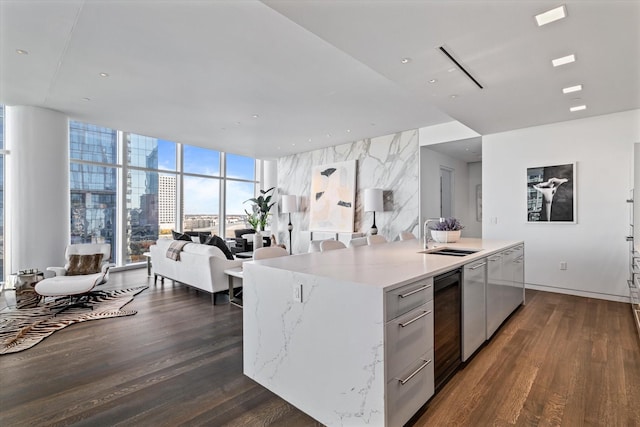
[
  {"x": 447, "y": 231},
  {"x": 261, "y": 207}
]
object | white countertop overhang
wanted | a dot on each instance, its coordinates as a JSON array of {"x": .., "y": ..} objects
[{"x": 386, "y": 265}]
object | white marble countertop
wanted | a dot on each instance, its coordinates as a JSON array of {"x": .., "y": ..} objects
[{"x": 386, "y": 265}]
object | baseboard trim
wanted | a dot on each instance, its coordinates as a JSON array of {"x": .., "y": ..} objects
[{"x": 579, "y": 293}]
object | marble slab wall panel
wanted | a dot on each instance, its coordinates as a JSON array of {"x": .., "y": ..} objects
[
  {"x": 388, "y": 162},
  {"x": 325, "y": 354}
]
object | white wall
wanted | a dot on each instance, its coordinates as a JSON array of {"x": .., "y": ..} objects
[
  {"x": 594, "y": 248},
  {"x": 430, "y": 163}
]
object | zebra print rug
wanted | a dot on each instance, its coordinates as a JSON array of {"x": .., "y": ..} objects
[{"x": 21, "y": 329}]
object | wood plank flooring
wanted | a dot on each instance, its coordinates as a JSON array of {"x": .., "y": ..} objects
[{"x": 560, "y": 360}]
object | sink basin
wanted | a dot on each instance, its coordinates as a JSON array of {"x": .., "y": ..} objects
[{"x": 450, "y": 252}]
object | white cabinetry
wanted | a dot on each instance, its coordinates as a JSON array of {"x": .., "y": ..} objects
[
  {"x": 513, "y": 271},
  {"x": 505, "y": 285},
  {"x": 408, "y": 350},
  {"x": 494, "y": 293},
  {"x": 474, "y": 314}
]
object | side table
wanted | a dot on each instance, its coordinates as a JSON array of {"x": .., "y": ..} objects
[
  {"x": 235, "y": 272},
  {"x": 23, "y": 284}
]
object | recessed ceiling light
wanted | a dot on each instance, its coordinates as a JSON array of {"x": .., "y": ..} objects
[
  {"x": 405, "y": 60},
  {"x": 104, "y": 75},
  {"x": 293, "y": 144},
  {"x": 551, "y": 15},
  {"x": 433, "y": 81},
  {"x": 86, "y": 99},
  {"x": 451, "y": 70},
  {"x": 570, "y": 89},
  {"x": 22, "y": 52},
  {"x": 255, "y": 116},
  {"x": 309, "y": 140},
  {"x": 564, "y": 60},
  {"x": 348, "y": 130},
  {"x": 328, "y": 135},
  {"x": 578, "y": 108},
  {"x": 454, "y": 96}
]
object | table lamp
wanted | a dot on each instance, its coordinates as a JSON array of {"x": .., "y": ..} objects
[
  {"x": 373, "y": 202},
  {"x": 289, "y": 203}
]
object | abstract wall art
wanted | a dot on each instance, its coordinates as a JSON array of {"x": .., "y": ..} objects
[
  {"x": 551, "y": 193},
  {"x": 332, "y": 198}
]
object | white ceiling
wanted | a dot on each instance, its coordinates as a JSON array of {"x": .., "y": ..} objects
[{"x": 317, "y": 73}]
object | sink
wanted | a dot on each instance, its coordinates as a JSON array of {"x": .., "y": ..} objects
[{"x": 450, "y": 252}]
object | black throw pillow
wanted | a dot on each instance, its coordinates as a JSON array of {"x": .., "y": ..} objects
[
  {"x": 181, "y": 236},
  {"x": 203, "y": 236},
  {"x": 220, "y": 244}
]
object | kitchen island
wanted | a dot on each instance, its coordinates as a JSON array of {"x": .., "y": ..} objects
[{"x": 347, "y": 335}]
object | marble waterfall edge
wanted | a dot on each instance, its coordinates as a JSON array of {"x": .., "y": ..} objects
[{"x": 289, "y": 345}]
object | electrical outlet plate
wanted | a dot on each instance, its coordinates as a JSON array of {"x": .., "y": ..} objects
[
  {"x": 563, "y": 265},
  {"x": 297, "y": 292}
]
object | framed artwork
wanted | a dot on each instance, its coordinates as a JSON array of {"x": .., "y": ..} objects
[
  {"x": 551, "y": 194},
  {"x": 332, "y": 199}
]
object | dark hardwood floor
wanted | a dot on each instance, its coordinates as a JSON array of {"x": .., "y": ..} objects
[{"x": 560, "y": 360}]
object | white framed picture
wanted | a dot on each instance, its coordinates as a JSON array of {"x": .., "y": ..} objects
[
  {"x": 551, "y": 194},
  {"x": 332, "y": 198}
]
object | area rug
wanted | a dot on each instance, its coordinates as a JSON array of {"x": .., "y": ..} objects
[{"x": 21, "y": 329}]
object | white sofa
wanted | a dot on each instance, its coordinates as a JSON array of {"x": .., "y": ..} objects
[{"x": 200, "y": 266}]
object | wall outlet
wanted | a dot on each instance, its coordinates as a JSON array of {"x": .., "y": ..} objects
[
  {"x": 297, "y": 293},
  {"x": 563, "y": 265}
]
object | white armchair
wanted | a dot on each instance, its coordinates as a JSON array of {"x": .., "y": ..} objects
[
  {"x": 86, "y": 249},
  {"x": 80, "y": 275}
]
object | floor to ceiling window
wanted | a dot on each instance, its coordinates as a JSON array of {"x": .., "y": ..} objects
[
  {"x": 151, "y": 192},
  {"x": 201, "y": 189},
  {"x": 157, "y": 185},
  {"x": 2, "y": 152},
  {"x": 240, "y": 186},
  {"x": 93, "y": 184}
]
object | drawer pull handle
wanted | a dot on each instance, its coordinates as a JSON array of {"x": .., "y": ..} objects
[
  {"x": 475, "y": 267},
  {"x": 494, "y": 258},
  {"x": 415, "y": 291},
  {"x": 418, "y": 317},
  {"x": 414, "y": 373}
]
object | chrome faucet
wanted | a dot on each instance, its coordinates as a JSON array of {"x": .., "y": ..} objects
[{"x": 425, "y": 230}]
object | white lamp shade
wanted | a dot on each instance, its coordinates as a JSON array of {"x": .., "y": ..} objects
[
  {"x": 373, "y": 200},
  {"x": 289, "y": 203}
]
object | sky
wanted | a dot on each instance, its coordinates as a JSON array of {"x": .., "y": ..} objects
[{"x": 201, "y": 195}]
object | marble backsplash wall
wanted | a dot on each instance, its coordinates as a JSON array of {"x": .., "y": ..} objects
[{"x": 389, "y": 162}]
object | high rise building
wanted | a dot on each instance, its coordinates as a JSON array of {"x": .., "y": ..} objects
[{"x": 167, "y": 201}]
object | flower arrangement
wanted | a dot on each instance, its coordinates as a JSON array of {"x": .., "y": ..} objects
[
  {"x": 449, "y": 224},
  {"x": 260, "y": 209}
]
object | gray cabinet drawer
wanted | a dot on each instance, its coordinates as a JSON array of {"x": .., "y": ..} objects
[
  {"x": 407, "y": 337},
  {"x": 407, "y": 392},
  {"x": 404, "y": 299}
]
